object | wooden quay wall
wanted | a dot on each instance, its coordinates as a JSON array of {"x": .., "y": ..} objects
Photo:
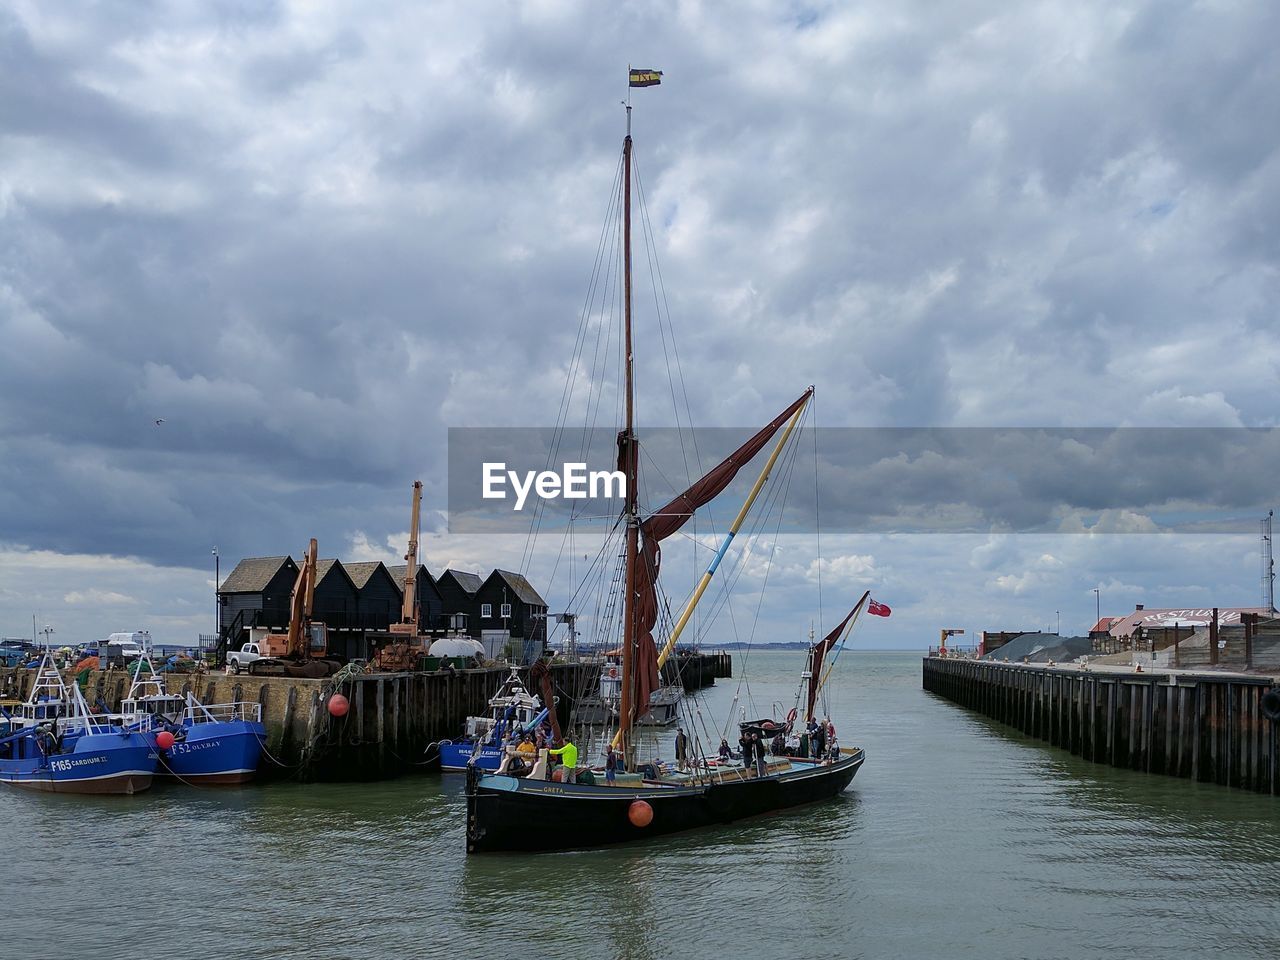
[{"x": 1202, "y": 726}]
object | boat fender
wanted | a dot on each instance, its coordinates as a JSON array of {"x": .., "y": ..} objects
[
  {"x": 1270, "y": 704},
  {"x": 640, "y": 813}
]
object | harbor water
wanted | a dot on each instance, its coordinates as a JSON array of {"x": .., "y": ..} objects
[{"x": 957, "y": 839}]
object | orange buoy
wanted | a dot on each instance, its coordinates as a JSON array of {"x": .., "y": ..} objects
[
  {"x": 640, "y": 813},
  {"x": 338, "y": 705},
  {"x": 164, "y": 739},
  {"x": 557, "y": 775},
  {"x": 613, "y": 671}
]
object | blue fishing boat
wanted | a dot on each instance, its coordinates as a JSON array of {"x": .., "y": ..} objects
[
  {"x": 53, "y": 743},
  {"x": 210, "y": 744},
  {"x": 513, "y": 712}
]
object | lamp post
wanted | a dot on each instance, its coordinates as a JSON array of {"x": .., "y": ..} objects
[
  {"x": 1097, "y": 605},
  {"x": 217, "y": 601},
  {"x": 1058, "y": 614}
]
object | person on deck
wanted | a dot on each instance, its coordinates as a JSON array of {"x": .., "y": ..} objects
[
  {"x": 610, "y": 765},
  {"x": 527, "y": 747},
  {"x": 779, "y": 745},
  {"x": 568, "y": 755},
  {"x": 682, "y": 748},
  {"x": 744, "y": 742},
  {"x": 834, "y": 748},
  {"x": 724, "y": 750},
  {"x": 758, "y": 745},
  {"x": 820, "y": 744}
]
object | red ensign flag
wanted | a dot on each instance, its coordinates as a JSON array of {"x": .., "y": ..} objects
[{"x": 878, "y": 609}]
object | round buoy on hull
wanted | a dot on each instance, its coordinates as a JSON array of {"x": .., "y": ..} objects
[
  {"x": 164, "y": 739},
  {"x": 640, "y": 813},
  {"x": 338, "y": 705}
]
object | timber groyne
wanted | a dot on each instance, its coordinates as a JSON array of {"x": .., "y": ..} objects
[
  {"x": 697, "y": 670},
  {"x": 393, "y": 718},
  {"x": 1203, "y": 726}
]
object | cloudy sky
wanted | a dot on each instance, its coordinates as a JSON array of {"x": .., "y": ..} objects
[{"x": 313, "y": 237}]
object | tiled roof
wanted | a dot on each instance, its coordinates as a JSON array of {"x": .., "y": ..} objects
[
  {"x": 361, "y": 572},
  {"x": 521, "y": 587},
  {"x": 398, "y": 571},
  {"x": 470, "y": 582},
  {"x": 252, "y": 574}
]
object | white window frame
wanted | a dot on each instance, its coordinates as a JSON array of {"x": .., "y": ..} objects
[
  {"x": 486, "y": 611},
  {"x": 506, "y": 611}
]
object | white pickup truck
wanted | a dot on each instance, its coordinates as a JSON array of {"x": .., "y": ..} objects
[{"x": 238, "y": 659}]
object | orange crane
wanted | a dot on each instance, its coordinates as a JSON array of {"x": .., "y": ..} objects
[
  {"x": 403, "y": 652},
  {"x": 292, "y": 654}
]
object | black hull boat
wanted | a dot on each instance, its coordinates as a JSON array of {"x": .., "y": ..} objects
[{"x": 510, "y": 814}]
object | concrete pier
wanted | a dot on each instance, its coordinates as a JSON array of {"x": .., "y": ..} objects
[
  {"x": 1204, "y": 726},
  {"x": 393, "y": 717}
]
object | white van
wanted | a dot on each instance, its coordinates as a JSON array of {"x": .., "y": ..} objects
[{"x": 127, "y": 646}]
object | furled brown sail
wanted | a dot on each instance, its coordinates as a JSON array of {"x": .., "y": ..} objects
[{"x": 663, "y": 524}]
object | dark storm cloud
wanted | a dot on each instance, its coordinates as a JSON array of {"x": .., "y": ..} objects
[
  {"x": 896, "y": 480},
  {"x": 313, "y": 239}
]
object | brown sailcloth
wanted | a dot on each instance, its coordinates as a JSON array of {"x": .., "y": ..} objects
[{"x": 663, "y": 524}]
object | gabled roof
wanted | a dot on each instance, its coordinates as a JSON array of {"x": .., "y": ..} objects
[
  {"x": 324, "y": 567},
  {"x": 398, "y": 571},
  {"x": 521, "y": 587},
  {"x": 1103, "y": 625},
  {"x": 470, "y": 582},
  {"x": 253, "y": 574},
  {"x": 361, "y": 573}
]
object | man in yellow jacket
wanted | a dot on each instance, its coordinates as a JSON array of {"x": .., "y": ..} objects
[{"x": 568, "y": 755}]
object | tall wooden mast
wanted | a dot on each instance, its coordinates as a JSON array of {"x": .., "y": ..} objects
[{"x": 627, "y": 699}]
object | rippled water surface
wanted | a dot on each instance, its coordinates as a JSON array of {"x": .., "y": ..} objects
[{"x": 957, "y": 839}]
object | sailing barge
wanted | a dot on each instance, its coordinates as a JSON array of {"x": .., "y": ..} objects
[
  {"x": 509, "y": 813},
  {"x": 533, "y": 813}
]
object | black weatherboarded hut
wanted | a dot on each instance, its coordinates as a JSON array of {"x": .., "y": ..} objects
[
  {"x": 512, "y": 604},
  {"x": 255, "y": 594},
  {"x": 379, "y": 596},
  {"x": 458, "y": 593}
]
